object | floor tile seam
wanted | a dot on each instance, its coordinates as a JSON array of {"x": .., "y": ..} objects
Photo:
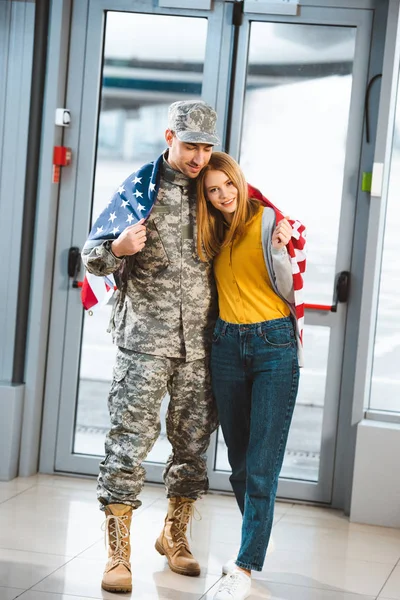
[
  {"x": 321, "y": 553},
  {"x": 327, "y": 588},
  {"x": 4, "y": 587},
  {"x": 317, "y": 510},
  {"x": 332, "y": 524},
  {"x": 67, "y": 484},
  {"x": 69, "y": 594},
  {"x": 211, "y": 587},
  {"x": 17, "y": 494},
  {"x": 145, "y": 508},
  {"x": 287, "y": 511},
  {"x": 88, "y": 548},
  {"x": 30, "y": 589},
  {"x": 276, "y": 521},
  {"x": 342, "y": 531},
  {"x": 307, "y": 587},
  {"x": 19, "y": 595},
  {"x": 320, "y": 517},
  {"x": 268, "y": 578},
  {"x": 329, "y": 558},
  {"x": 383, "y": 587},
  {"x": 388, "y": 577},
  {"x": 385, "y": 535},
  {"x": 63, "y": 489},
  {"x": 37, "y": 552}
]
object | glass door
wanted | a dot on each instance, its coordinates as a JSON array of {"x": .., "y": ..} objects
[
  {"x": 136, "y": 63},
  {"x": 139, "y": 80},
  {"x": 295, "y": 127}
]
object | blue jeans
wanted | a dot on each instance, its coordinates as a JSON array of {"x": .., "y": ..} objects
[{"x": 255, "y": 378}]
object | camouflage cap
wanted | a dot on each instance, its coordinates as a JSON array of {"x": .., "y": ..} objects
[{"x": 193, "y": 121}]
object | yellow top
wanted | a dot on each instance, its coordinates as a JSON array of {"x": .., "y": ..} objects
[{"x": 244, "y": 288}]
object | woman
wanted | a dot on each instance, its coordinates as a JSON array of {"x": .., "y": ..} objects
[{"x": 256, "y": 346}]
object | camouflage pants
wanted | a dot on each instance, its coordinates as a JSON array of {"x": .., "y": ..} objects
[{"x": 139, "y": 385}]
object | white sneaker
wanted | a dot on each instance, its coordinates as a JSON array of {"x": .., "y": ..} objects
[
  {"x": 229, "y": 566},
  {"x": 235, "y": 586}
]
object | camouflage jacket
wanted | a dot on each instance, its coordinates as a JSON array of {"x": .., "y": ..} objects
[{"x": 166, "y": 304}]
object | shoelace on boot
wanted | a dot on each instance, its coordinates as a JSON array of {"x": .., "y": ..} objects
[
  {"x": 184, "y": 514},
  {"x": 231, "y": 582},
  {"x": 118, "y": 537}
]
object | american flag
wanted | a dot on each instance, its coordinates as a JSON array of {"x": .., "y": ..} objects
[
  {"x": 297, "y": 251},
  {"x": 132, "y": 202}
]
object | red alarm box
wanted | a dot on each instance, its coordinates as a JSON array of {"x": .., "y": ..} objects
[{"x": 61, "y": 158}]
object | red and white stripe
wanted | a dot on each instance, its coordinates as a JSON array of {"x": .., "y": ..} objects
[
  {"x": 297, "y": 252},
  {"x": 96, "y": 291}
]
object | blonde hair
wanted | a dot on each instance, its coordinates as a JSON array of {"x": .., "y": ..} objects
[{"x": 212, "y": 231}]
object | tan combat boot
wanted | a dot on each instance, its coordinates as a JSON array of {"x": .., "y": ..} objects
[
  {"x": 117, "y": 574},
  {"x": 172, "y": 541}
]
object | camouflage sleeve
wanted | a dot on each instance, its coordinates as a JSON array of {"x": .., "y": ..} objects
[
  {"x": 283, "y": 273},
  {"x": 99, "y": 259}
]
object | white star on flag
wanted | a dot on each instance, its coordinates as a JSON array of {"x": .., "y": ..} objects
[{"x": 132, "y": 201}]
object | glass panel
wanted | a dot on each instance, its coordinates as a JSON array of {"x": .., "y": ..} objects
[
  {"x": 385, "y": 388},
  {"x": 303, "y": 448},
  {"x": 297, "y": 101},
  {"x": 141, "y": 77}
]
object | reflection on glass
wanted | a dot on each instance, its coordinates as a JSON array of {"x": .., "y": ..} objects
[
  {"x": 385, "y": 387},
  {"x": 296, "y": 112},
  {"x": 303, "y": 448},
  {"x": 141, "y": 77}
]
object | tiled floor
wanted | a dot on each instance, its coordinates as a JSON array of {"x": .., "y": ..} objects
[{"x": 52, "y": 548}]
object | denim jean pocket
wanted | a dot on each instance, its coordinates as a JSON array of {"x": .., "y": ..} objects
[
  {"x": 281, "y": 337},
  {"x": 216, "y": 336}
]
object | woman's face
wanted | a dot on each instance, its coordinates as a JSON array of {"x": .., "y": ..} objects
[{"x": 221, "y": 192}]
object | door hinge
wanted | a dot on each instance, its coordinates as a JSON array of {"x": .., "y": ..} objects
[{"x": 237, "y": 17}]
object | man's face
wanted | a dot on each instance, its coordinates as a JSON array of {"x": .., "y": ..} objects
[{"x": 186, "y": 157}]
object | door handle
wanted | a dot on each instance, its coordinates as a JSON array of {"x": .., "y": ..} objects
[
  {"x": 342, "y": 290},
  {"x": 74, "y": 265}
]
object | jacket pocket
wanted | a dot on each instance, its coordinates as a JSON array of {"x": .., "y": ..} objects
[{"x": 153, "y": 258}]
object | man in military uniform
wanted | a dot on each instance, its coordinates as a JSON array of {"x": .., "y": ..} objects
[{"x": 162, "y": 323}]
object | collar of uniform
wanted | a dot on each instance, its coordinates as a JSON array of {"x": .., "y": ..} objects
[{"x": 173, "y": 176}]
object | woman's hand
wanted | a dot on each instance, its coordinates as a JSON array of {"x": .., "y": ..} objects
[{"x": 282, "y": 234}]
